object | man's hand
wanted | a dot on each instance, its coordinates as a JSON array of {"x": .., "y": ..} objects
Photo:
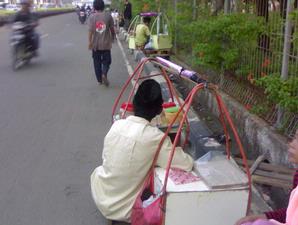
[
  {"x": 250, "y": 218},
  {"x": 90, "y": 46}
]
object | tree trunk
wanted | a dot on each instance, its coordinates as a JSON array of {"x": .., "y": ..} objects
[
  {"x": 262, "y": 10},
  {"x": 219, "y": 5}
]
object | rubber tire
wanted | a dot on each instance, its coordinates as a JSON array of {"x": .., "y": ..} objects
[{"x": 15, "y": 59}]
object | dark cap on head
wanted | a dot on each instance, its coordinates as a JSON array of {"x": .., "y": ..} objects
[
  {"x": 146, "y": 19},
  {"x": 99, "y": 5},
  {"x": 148, "y": 99}
]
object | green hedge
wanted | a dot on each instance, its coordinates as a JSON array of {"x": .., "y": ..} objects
[{"x": 8, "y": 13}]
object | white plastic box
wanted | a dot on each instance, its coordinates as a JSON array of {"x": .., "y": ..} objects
[{"x": 197, "y": 204}]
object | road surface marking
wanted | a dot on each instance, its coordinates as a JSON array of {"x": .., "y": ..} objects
[{"x": 128, "y": 66}]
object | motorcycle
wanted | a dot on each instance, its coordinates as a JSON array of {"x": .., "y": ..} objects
[
  {"x": 89, "y": 11},
  {"x": 22, "y": 52},
  {"x": 82, "y": 17}
]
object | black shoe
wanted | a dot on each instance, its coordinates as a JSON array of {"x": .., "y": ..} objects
[{"x": 105, "y": 80}]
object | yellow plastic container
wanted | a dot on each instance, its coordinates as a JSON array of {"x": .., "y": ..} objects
[{"x": 170, "y": 114}]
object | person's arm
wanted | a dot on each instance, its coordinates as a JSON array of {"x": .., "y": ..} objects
[
  {"x": 90, "y": 33},
  {"x": 35, "y": 20},
  {"x": 147, "y": 31},
  {"x": 250, "y": 218},
  {"x": 16, "y": 18},
  {"x": 280, "y": 214},
  {"x": 181, "y": 160},
  {"x": 90, "y": 38},
  {"x": 112, "y": 28}
]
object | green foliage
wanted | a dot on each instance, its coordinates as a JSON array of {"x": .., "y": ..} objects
[
  {"x": 221, "y": 39},
  {"x": 282, "y": 92},
  {"x": 4, "y": 12},
  {"x": 143, "y": 6},
  {"x": 294, "y": 15},
  {"x": 259, "y": 109},
  {"x": 7, "y": 13}
]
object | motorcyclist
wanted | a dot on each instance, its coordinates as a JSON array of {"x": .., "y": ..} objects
[
  {"x": 31, "y": 21},
  {"x": 83, "y": 8},
  {"x": 83, "y": 14},
  {"x": 88, "y": 10},
  {"x": 78, "y": 9}
]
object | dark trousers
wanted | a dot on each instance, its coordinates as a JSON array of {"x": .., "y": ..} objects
[
  {"x": 32, "y": 40},
  {"x": 102, "y": 60},
  {"x": 126, "y": 24}
]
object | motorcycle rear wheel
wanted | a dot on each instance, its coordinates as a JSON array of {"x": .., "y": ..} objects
[{"x": 18, "y": 55}]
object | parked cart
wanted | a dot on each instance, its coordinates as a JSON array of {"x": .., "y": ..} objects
[
  {"x": 216, "y": 192},
  {"x": 160, "y": 38}
]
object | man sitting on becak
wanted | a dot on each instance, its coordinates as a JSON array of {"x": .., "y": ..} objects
[
  {"x": 128, "y": 152},
  {"x": 142, "y": 33}
]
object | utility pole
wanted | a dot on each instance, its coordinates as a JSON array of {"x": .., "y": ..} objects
[
  {"x": 286, "y": 56},
  {"x": 287, "y": 42},
  {"x": 194, "y": 11},
  {"x": 227, "y": 7},
  {"x": 175, "y": 26}
]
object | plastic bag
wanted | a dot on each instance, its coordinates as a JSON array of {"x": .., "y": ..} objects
[
  {"x": 149, "y": 45},
  {"x": 219, "y": 172},
  {"x": 151, "y": 212}
]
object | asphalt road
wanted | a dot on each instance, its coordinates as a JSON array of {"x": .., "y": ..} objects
[{"x": 53, "y": 118}]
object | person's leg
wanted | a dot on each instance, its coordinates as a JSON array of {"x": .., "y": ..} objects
[
  {"x": 28, "y": 41},
  {"x": 117, "y": 24},
  {"x": 97, "y": 65},
  {"x": 126, "y": 24},
  {"x": 106, "y": 62},
  {"x": 35, "y": 42}
]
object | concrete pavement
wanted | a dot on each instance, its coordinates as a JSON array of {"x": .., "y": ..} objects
[{"x": 53, "y": 118}]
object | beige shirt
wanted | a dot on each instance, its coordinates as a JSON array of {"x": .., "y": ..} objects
[{"x": 129, "y": 149}]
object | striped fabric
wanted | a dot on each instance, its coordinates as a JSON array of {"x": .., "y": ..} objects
[{"x": 280, "y": 214}]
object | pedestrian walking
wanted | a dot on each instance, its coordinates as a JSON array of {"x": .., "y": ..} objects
[
  {"x": 127, "y": 14},
  {"x": 101, "y": 37},
  {"x": 115, "y": 16}
]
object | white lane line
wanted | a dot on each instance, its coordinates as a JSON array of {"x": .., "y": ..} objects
[
  {"x": 44, "y": 35},
  {"x": 128, "y": 66}
]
